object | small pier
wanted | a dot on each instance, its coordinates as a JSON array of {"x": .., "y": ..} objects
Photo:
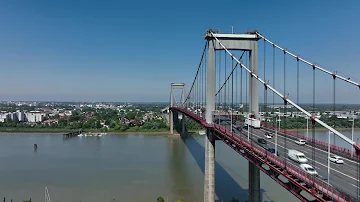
[{"x": 72, "y": 134}]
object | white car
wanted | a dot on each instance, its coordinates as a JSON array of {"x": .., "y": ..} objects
[
  {"x": 268, "y": 135},
  {"x": 300, "y": 142},
  {"x": 308, "y": 169},
  {"x": 297, "y": 156},
  {"x": 336, "y": 159}
]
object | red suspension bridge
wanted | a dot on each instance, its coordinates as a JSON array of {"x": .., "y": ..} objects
[{"x": 225, "y": 91}]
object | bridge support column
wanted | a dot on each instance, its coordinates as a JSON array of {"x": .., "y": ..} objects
[
  {"x": 171, "y": 122},
  {"x": 254, "y": 172},
  {"x": 209, "y": 189},
  {"x": 254, "y": 183},
  {"x": 209, "y": 184},
  {"x": 172, "y": 99}
]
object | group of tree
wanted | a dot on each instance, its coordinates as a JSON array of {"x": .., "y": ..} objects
[
  {"x": 302, "y": 123},
  {"x": 114, "y": 121}
]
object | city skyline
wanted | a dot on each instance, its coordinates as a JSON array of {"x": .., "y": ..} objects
[{"x": 98, "y": 52}]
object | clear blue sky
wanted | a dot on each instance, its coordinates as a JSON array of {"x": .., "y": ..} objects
[{"x": 132, "y": 50}]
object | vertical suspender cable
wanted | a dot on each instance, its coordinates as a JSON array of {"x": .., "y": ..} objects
[
  {"x": 205, "y": 82},
  {"x": 264, "y": 107},
  {"x": 199, "y": 90},
  {"x": 236, "y": 89},
  {"x": 313, "y": 124},
  {"x": 334, "y": 117},
  {"x": 285, "y": 106},
  {"x": 225, "y": 103},
  {"x": 202, "y": 88},
  {"x": 297, "y": 94},
  {"x": 232, "y": 95},
  {"x": 228, "y": 93},
  {"x": 273, "y": 108},
  {"x": 220, "y": 104},
  {"x": 241, "y": 91},
  {"x": 246, "y": 83}
]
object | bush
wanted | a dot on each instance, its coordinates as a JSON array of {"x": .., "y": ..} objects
[{"x": 160, "y": 199}]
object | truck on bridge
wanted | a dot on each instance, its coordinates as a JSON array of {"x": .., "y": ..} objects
[{"x": 252, "y": 122}]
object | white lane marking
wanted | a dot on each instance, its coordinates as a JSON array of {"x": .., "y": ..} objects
[
  {"x": 354, "y": 185},
  {"x": 319, "y": 163}
]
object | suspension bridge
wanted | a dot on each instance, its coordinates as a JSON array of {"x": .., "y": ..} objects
[{"x": 226, "y": 90}]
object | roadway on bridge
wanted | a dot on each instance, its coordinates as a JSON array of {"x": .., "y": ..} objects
[{"x": 342, "y": 176}]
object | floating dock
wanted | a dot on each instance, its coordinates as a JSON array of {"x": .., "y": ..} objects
[{"x": 72, "y": 134}]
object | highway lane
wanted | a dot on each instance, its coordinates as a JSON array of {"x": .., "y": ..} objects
[
  {"x": 343, "y": 177},
  {"x": 348, "y": 168}
]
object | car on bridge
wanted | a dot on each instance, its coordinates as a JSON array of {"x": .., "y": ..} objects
[
  {"x": 268, "y": 135},
  {"x": 272, "y": 150},
  {"x": 300, "y": 142},
  {"x": 308, "y": 169},
  {"x": 336, "y": 159},
  {"x": 297, "y": 156},
  {"x": 262, "y": 141}
]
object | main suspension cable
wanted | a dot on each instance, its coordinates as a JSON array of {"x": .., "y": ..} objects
[
  {"x": 197, "y": 71},
  {"x": 309, "y": 63}
]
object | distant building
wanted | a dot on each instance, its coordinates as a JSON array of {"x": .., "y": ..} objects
[
  {"x": 21, "y": 116},
  {"x": 33, "y": 117},
  {"x": 13, "y": 116},
  {"x": 4, "y": 117}
]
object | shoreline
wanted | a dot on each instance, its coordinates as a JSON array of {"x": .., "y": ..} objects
[
  {"x": 110, "y": 133},
  {"x": 152, "y": 132}
]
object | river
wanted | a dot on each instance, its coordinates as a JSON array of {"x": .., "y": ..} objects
[{"x": 123, "y": 167}]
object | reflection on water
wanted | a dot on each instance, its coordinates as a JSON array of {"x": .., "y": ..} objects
[{"x": 124, "y": 167}]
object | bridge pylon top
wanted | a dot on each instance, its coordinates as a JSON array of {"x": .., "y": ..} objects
[
  {"x": 177, "y": 84},
  {"x": 248, "y": 35}
]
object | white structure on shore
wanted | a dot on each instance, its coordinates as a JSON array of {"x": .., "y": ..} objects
[{"x": 32, "y": 117}]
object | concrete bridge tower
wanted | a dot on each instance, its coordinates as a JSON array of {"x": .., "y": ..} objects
[
  {"x": 172, "y": 104},
  {"x": 246, "y": 42}
]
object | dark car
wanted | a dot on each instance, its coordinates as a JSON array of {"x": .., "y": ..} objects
[
  {"x": 262, "y": 141},
  {"x": 272, "y": 150}
]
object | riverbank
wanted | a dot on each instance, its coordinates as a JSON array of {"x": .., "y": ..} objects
[{"x": 58, "y": 131}]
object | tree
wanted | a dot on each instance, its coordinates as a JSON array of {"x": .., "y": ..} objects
[
  {"x": 160, "y": 199},
  {"x": 98, "y": 125},
  {"x": 112, "y": 125}
]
